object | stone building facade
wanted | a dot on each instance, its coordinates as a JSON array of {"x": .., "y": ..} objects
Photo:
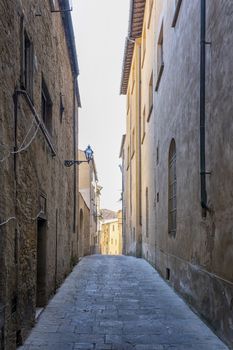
[
  {"x": 39, "y": 100},
  {"x": 186, "y": 155},
  {"x": 84, "y": 227},
  {"x": 90, "y": 192},
  {"x": 111, "y": 236}
]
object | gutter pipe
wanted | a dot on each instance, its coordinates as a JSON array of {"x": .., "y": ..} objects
[{"x": 202, "y": 107}]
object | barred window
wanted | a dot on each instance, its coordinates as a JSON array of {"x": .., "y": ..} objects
[{"x": 172, "y": 189}]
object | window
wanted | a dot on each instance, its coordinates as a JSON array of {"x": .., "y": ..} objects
[
  {"x": 160, "y": 58},
  {"x": 150, "y": 96},
  {"x": 113, "y": 227},
  {"x": 172, "y": 189},
  {"x": 133, "y": 79},
  {"x": 128, "y": 102},
  {"x": 147, "y": 213},
  {"x": 133, "y": 143},
  {"x": 143, "y": 46},
  {"x": 111, "y": 240},
  {"x": 27, "y": 65},
  {"x": 177, "y": 4},
  {"x": 157, "y": 155},
  {"x": 62, "y": 108},
  {"x": 128, "y": 157},
  {"x": 46, "y": 107},
  {"x": 115, "y": 242},
  {"x": 150, "y": 12},
  {"x": 143, "y": 124}
]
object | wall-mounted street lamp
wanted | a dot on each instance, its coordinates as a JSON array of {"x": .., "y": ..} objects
[{"x": 89, "y": 156}]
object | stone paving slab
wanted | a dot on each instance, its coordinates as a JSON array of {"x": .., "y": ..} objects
[{"x": 118, "y": 303}]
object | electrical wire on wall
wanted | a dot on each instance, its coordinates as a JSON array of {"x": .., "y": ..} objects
[
  {"x": 23, "y": 147},
  {"x": 14, "y": 218}
]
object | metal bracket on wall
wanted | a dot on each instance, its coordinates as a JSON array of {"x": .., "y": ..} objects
[{"x": 206, "y": 42}]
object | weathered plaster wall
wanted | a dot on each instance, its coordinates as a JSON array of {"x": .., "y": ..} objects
[
  {"x": 200, "y": 257},
  {"x": 147, "y": 142}
]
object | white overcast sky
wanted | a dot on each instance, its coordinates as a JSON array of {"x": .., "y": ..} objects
[{"x": 100, "y": 29}]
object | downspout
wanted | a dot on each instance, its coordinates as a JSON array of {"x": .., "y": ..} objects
[
  {"x": 202, "y": 108},
  {"x": 17, "y": 261}
]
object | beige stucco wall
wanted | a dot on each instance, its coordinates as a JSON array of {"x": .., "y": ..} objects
[
  {"x": 148, "y": 148},
  {"x": 88, "y": 188},
  {"x": 133, "y": 231},
  {"x": 84, "y": 228},
  {"x": 111, "y": 236},
  {"x": 199, "y": 258}
]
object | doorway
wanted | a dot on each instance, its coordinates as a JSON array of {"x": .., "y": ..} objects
[{"x": 41, "y": 263}]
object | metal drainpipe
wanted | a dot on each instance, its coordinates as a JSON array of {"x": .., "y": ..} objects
[{"x": 202, "y": 107}]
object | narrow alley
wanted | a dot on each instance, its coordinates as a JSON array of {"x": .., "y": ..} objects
[{"x": 118, "y": 302}]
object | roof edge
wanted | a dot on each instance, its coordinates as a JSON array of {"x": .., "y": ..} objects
[{"x": 136, "y": 18}]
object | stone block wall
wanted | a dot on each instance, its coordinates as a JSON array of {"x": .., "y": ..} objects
[{"x": 36, "y": 185}]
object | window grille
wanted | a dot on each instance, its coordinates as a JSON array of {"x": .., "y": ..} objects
[{"x": 172, "y": 207}]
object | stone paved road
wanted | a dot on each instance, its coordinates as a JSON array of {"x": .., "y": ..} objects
[{"x": 121, "y": 303}]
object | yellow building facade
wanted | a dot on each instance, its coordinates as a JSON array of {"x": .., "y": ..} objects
[
  {"x": 111, "y": 236},
  {"x": 175, "y": 153},
  {"x": 137, "y": 85}
]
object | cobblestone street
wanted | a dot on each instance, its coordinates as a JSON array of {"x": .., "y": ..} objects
[{"x": 117, "y": 302}]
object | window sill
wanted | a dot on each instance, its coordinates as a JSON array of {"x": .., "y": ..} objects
[
  {"x": 159, "y": 76},
  {"x": 177, "y": 10}
]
